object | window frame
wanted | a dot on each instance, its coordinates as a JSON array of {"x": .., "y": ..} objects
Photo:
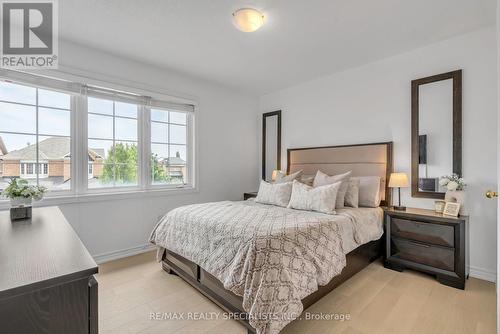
[
  {"x": 189, "y": 150},
  {"x": 12, "y": 77},
  {"x": 107, "y": 189},
  {"x": 79, "y": 139}
]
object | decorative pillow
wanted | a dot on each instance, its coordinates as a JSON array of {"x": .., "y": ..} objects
[
  {"x": 369, "y": 191},
  {"x": 275, "y": 194},
  {"x": 282, "y": 177},
  {"x": 352, "y": 193},
  {"x": 307, "y": 179},
  {"x": 322, "y": 179},
  {"x": 321, "y": 199}
]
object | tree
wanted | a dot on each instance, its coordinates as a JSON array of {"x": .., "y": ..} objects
[
  {"x": 158, "y": 171},
  {"x": 121, "y": 164}
]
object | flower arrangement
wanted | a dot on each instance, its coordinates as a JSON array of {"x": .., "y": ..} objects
[
  {"x": 19, "y": 188},
  {"x": 452, "y": 182}
]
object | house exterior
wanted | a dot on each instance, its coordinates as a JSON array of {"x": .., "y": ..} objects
[
  {"x": 53, "y": 160},
  {"x": 175, "y": 167}
]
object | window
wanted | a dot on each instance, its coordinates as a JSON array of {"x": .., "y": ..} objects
[
  {"x": 169, "y": 147},
  {"x": 112, "y": 135},
  {"x": 133, "y": 141},
  {"x": 35, "y": 132},
  {"x": 29, "y": 169}
]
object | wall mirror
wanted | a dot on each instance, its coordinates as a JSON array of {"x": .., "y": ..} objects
[
  {"x": 436, "y": 126},
  {"x": 271, "y": 143}
]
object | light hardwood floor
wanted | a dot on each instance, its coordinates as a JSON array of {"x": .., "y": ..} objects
[{"x": 378, "y": 300}]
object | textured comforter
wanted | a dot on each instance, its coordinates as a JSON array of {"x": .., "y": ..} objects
[{"x": 273, "y": 257}]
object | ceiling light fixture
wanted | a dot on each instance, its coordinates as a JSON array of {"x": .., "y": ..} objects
[{"x": 248, "y": 19}]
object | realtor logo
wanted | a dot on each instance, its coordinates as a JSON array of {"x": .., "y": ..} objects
[{"x": 29, "y": 34}]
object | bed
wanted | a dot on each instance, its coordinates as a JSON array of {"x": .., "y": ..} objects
[{"x": 254, "y": 259}]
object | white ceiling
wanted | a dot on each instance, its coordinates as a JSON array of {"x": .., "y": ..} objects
[{"x": 301, "y": 40}]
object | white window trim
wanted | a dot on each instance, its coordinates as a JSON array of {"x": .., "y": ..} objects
[{"x": 79, "y": 144}]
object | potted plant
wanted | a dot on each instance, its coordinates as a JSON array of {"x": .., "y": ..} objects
[
  {"x": 21, "y": 193},
  {"x": 455, "y": 190}
]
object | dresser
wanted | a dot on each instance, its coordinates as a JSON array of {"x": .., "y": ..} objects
[
  {"x": 47, "y": 282},
  {"x": 430, "y": 242}
]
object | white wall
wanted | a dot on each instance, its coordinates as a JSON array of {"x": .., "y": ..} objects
[
  {"x": 371, "y": 103},
  {"x": 225, "y": 121},
  {"x": 436, "y": 121}
]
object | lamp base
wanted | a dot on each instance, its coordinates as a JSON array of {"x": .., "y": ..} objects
[{"x": 399, "y": 208}]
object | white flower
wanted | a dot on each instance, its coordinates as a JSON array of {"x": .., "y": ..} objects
[
  {"x": 452, "y": 185},
  {"x": 443, "y": 182}
]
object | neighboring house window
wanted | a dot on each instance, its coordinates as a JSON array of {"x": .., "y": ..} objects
[
  {"x": 132, "y": 141},
  {"x": 169, "y": 147},
  {"x": 29, "y": 169},
  {"x": 35, "y": 130}
]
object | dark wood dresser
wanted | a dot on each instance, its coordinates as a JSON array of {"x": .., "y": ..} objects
[
  {"x": 429, "y": 242},
  {"x": 47, "y": 282}
]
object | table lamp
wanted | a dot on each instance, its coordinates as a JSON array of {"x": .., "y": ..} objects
[
  {"x": 399, "y": 180},
  {"x": 274, "y": 176}
]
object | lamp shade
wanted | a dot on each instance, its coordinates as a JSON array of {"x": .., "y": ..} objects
[
  {"x": 275, "y": 174},
  {"x": 399, "y": 180}
]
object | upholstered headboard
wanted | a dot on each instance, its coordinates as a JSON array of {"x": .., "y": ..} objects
[{"x": 362, "y": 159}]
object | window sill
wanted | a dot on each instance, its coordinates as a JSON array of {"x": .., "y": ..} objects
[{"x": 106, "y": 196}]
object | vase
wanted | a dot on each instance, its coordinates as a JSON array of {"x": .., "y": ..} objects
[
  {"x": 457, "y": 196},
  {"x": 20, "y": 202}
]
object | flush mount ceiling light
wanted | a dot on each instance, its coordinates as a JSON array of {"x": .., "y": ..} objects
[{"x": 248, "y": 19}]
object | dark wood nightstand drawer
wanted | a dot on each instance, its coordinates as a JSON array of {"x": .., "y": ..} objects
[
  {"x": 434, "y": 256},
  {"x": 249, "y": 195},
  {"x": 436, "y": 234}
]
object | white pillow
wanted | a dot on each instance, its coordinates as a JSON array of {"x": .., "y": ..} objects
[
  {"x": 322, "y": 179},
  {"x": 282, "y": 177},
  {"x": 274, "y": 193},
  {"x": 321, "y": 199},
  {"x": 369, "y": 191},
  {"x": 352, "y": 193}
]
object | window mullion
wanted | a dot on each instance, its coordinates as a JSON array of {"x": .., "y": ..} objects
[
  {"x": 81, "y": 144},
  {"x": 36, "y": 139},
  {"x": 145, "y": 146},
  {"x": 190, "y": 150}
]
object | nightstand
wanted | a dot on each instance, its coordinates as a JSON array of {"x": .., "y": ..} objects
[
  {"x": 430, "y": 242},
  {"x": 249, "y": 195}
]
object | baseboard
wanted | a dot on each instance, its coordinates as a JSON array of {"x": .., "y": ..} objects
[
  {"x": 483, "y": 274},
  {"x": 115, "y": 255}
]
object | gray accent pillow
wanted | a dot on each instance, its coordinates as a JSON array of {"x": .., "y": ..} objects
[
  {"x": 282, "y": 177},
  {"x": 274, "y": 193},
  {"x": 307, "y": 179},
  {"x": 320, "y": 199},
  {"x": 322, "y": 179},
  {"x": 369, "y": 191},
  {"x": 352, "y": 194}
]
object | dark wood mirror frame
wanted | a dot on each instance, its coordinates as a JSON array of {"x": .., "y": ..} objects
[
  {"x": 278, "y": 155},
  {"x": 457, "y": 129}
]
